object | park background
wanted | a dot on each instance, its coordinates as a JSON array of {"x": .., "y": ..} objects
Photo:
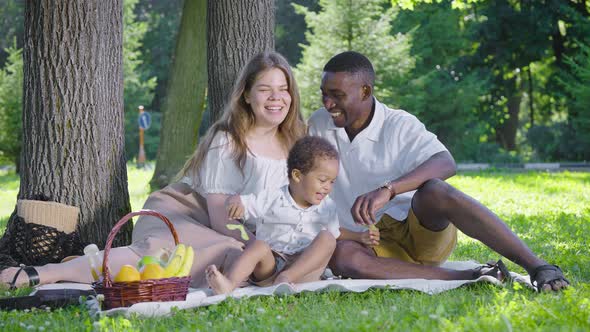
[{"x": 498, "y": 81}]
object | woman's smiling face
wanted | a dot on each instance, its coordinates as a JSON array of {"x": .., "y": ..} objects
[{"x": 269, "y": 98}]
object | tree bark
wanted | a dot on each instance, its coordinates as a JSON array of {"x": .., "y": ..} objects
[
  {"x": 506, "y": 132},
  {"x": 531, "y": 96},
  {"x": 185, "y": 102},
  {"x": 236, "y": 30},
  {"x": 73, "y": 141}
]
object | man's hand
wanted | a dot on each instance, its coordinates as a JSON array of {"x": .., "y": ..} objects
[
  {"x": 234, "y": 207},
  {"x": 364, "y": 208},
  {"x": 370, "y": 238}
]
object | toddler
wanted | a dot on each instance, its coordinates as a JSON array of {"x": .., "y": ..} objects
[{"x": 296, "y": 225}]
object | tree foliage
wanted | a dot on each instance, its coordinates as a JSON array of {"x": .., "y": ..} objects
[
  {"x": 157, "y": 50},
  {"x": 290, "y": 28},
  {"x": 411, "y": 4},
  {"x": 137, "y": 89},
  {"x": 579, "y": 86},
  {"x": 11, "y": 26},
  {"x": 11, "y": 95},
  {"x": 568, "y": 139},
  {"x": 363, "y": 26},
  {"x": 439, "y": 91}
]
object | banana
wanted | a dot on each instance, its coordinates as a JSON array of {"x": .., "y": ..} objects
[
  {"x": 372, "y": 227},
  {"x": 175, "y": 262},
  {"x": 173, "y": 266},
  {"x": 243, "y": 233},
  {"x": 187, "y": 263}
]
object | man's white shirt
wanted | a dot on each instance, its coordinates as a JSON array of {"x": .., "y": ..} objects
[
  {"x": 285, "y": 226},
  {"x": 394, "y": 143}
]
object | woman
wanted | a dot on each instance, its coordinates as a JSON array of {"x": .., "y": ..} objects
[{"x": 242, "y": 153}]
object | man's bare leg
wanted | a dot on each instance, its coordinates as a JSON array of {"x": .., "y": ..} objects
[
  {"x": 437, "y": 203},
  {"x": 256, "y": 259},
  {"x": 354, "y": 260},
  {"x": 315, "y": 256}
]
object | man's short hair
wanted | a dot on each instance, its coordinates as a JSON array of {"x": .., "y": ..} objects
[
  {"x": 306, "y": 151},
  {"x": 352, "y": 62}
]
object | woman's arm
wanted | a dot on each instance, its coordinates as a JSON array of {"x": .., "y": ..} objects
[{"x": 219, "y": 219}]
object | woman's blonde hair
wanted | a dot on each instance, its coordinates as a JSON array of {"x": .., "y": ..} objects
[{"x": 238, "y": 117}]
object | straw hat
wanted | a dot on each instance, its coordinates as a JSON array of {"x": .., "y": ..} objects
[{"x": 60, "y": 216}]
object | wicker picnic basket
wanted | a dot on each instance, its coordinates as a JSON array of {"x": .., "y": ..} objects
[{"x": 125, "y": 294}]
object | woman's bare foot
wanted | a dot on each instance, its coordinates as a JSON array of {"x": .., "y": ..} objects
[
  {"x": 7, "y": 275},
  {"x": 217, "y": 281}
]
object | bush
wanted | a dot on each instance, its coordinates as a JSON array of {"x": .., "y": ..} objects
[{"x": 557, "y": 142}]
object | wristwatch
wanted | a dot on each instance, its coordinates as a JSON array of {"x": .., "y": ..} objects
[{"x": 389, "y": 186}]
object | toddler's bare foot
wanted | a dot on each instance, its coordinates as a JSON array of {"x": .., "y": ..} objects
[{"x": 217, "y": 281}]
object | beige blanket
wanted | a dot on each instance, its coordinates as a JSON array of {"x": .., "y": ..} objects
[{"x": 204, "y": 297}]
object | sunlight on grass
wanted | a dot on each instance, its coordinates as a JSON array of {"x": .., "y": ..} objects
[
  {"x": 139, "y": 184},
  {"x": 9, "y": 183}
]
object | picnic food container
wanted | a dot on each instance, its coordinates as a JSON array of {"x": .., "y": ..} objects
[{"x": 125, "y": 294}]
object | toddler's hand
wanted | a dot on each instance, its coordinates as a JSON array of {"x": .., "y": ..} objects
[
  {"x": 234, "y": 207},
  {"x": 370, "y": 238}
]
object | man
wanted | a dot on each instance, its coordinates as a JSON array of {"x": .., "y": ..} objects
[{"x": 392, "y": 171}]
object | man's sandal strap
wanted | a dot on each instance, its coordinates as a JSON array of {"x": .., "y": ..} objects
[
  {"x": 545, "y": 274},
  {"x": 506, "y": 276},
  {"x": 32, "y": 274}
]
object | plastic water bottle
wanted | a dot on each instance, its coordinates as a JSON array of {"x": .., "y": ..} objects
[{"x": 95, "y": 259}]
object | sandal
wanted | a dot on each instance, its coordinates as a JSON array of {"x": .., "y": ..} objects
[
  {"x": 545, "y": 274},
  {"x": 496, "y": 267},
  {"x": 32, "y": 274}
]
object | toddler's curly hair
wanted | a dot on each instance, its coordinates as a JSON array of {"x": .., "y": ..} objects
[{"x": 306, "y": 151}]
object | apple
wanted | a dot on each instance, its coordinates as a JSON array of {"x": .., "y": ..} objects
[{"x": 145, "y": 260}]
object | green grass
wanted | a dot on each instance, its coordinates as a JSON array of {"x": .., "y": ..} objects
[
  {"x": 9, "y": 183},
  {"x": 550, "y": 211}
]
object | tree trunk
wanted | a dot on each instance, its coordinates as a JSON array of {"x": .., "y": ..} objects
[
  {"x": 506, "y": 132},
  {"x": 185, "y": 102},
  {"x": 531, "y": 97},
  {"x": 73, "y": 142},
  {"x": 236, "y": 30}
]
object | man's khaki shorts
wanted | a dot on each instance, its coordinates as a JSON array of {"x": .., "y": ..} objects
[{"x": 411, "y": 242}]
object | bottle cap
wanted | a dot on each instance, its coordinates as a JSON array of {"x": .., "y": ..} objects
[{"x": 91, "y": 249}]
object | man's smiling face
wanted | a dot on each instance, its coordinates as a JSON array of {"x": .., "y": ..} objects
[{"x": 344, "y": 96}]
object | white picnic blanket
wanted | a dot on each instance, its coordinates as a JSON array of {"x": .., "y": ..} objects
[{"x": 204, "y": 297}]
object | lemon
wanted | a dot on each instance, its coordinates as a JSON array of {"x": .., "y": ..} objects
[
  {"x": 127, "y": 273},
  {"x": 152, "y": 271}
]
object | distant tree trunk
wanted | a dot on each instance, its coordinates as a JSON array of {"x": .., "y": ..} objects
[
  {"x": 73, "y": 142},
  {"x": 531, "y": 96},
  {"x": 236, "y": 30},
  {"x": 185, "y": 102},
  {"x": 506, "y": 132}
]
